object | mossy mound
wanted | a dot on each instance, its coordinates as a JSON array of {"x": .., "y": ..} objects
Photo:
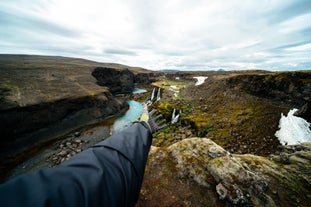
[{"x": 198, "y": 172}]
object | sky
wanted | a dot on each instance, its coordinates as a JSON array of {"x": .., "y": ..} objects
[{"x": 163, "y": 34}]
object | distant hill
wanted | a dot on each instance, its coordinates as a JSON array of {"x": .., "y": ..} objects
[
  {"x": 176, "y": 71},
  {"x": 169, "y": 71},
  {"x": 221, "y": 70}
]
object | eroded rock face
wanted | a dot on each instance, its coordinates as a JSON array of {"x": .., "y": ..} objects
[
  {"x": 305, "y": 112},
  {"x": 143, "y": 77},
  {"x": 198, "y": 172},
  {"x": 118, "y": 81},
  {"x": 291, "y": 87}
]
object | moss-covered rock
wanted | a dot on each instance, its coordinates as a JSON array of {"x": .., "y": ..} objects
[{"x": 198, "y": 172}]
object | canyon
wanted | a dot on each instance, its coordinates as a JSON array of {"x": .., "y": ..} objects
[{"x": 221, "y": 151}]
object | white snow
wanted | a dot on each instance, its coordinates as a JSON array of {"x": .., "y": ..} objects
[
  {"x": 293, "y": 130},
  {"x": 200, "y": 80}
]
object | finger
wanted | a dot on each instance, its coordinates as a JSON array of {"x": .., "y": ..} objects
[
  {"x": 152, "y": 112},
  {"x": 162, "y": 122},
  {"x": 158, "y": 117},
  {"x": 162, "y": 126}
]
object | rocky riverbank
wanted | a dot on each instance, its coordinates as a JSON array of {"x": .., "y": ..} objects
[{"x": 63, "y": 148}]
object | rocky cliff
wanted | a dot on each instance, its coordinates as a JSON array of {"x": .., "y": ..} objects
[
  {"x": 198, "y": 172},
  {"x": 305, "y": 112},
  {"x": 122, "y": 81},
  {"x": 288, "y": 87},
  {"x": 118, "y": 81}
]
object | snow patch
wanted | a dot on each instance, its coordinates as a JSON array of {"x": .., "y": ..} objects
[
  {"x": 293, "y": 130},
  {"x": 200, "y": 80}
]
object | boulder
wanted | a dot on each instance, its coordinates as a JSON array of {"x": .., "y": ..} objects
[{"x": 198, "y": 172}]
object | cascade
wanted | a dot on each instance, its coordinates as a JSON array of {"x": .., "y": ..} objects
[
  {"x": 175, "y": 117},
  {"x": 152, "y": 94},
  {"x": 159, "y": 94}
]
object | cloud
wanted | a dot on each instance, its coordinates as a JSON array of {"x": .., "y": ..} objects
[
  {"x": 290, "y": 10},
  {"x": 177, "y": 34},
  {"x": 30, "y": 23}
]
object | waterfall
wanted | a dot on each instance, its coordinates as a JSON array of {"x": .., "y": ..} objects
[
  {"x": 175, "y": 117},
  {"x": 152, "y": 94},
  {"x": 173, "y": 114},
  {"x": 154, "y": 97},
  {"x": 159, "y": 94}
]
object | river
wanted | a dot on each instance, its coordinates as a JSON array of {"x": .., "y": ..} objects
[{"x": 134, "y": 112}]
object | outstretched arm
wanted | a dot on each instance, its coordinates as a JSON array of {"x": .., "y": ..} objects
[{"x": 108, "y": 174}]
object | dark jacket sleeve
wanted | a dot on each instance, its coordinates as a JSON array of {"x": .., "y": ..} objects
[{"x": 108, "y": 174}]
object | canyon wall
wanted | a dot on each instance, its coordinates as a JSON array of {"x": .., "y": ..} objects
[{"x": 293, "y": 88}]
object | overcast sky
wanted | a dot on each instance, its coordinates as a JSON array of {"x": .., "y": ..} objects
[{"x": 163, "y": 34}]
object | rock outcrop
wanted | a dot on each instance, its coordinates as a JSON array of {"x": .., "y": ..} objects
[
  {"x": 146, "y": 76},
  {"x": 198, "y": 172},
  {"x": 118, "y": 81},
  {"x": 122, "y": 81},
  {"x": 288, "y": 87},
  {"x": 305, "y": 112}
]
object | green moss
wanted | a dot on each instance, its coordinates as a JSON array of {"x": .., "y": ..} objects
[
  {"x": 6, "y": 86},
  {"x": 165, "y": 108},
  {"x": 218, "y": 162},
  {"x": 204, "y": 131}
]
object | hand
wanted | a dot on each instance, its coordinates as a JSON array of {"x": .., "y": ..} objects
[{"x": 155, "y": 123}]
